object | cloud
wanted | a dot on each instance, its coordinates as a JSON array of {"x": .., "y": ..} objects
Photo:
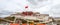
[
  {"x": 9, "y": 6},
  {"x": 55, "y": 10}
]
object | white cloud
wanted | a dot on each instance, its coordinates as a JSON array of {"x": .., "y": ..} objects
[{"x": 18, "y": 5}]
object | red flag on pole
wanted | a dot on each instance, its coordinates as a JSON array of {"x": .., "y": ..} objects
[{"x": 26, "y": 7}]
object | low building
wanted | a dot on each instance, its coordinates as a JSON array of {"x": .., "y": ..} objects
[{"x": 32, "y": 16}]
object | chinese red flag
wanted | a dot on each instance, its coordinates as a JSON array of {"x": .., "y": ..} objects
[{"x": 26, "y": 7}]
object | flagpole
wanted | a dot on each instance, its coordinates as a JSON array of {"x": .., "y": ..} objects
[{"x": 26, "y": 8}]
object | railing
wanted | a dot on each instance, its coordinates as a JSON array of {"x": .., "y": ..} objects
[
  {"x": 5, "y": 24},
  {"x": 27, "y": 24}
]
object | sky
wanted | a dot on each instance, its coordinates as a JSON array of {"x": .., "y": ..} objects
[{"x": 8, "y": 7}]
